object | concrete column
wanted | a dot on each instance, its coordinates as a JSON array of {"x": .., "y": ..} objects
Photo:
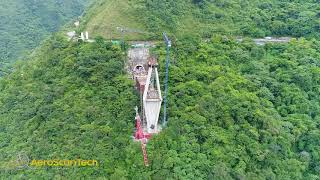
[
  {"x": 87, "y": 35},
  {"x": 82, "y": 36}
]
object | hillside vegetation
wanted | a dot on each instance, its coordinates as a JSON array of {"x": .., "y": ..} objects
[
  {"x": 205, "y": 18},
  {"x": 239, "y": 111},
  {"x": 25, "y": 23},
  {"x": 236, "y": 110},
  {"x": 71, "y": 101}
]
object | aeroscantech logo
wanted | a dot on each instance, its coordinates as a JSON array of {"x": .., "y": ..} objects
[
  {"x": 22, "y": 161},
  {"x": 63, "y": 163}
]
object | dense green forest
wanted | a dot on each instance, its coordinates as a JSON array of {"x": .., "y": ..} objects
[
  {"x": 72, "y": 100},
  {"x": 240, "y": 111},
  {"x": 236, "y": 110},
  {"x": 249, "y": 18},
  {"x": 253, "y": 18},
  {"x": 25, "y": 23}
]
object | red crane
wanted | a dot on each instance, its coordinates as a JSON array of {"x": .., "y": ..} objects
[
  {"x": 142, "y": 137},
  {"x": 145, "y": 156}
]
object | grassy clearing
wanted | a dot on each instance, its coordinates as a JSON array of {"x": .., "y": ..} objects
[
  {"x": 113, "y": 14},
  {"x": 106, "y": 15}
]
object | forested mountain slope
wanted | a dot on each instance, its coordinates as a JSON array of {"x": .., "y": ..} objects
[
  {"x": 204, "y": 17},
  {"x": 71, "y": 101},
  {"x": 236, "y": 110},
  {"x": 25, "y": 23}
]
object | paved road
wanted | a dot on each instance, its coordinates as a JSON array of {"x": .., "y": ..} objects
[{"x": 263, "y": 41}]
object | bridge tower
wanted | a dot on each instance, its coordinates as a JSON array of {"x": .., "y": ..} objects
[{"x": 152, "y": 98}]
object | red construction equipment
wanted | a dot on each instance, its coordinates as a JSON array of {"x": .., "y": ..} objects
[
  {"x": 139, "y": 135},
  {"x": 139, "y": 132},
  {"x": 145, "y": 157},
  {"x": 142, "y": 137}
]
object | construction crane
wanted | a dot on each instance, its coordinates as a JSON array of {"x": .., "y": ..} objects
[
  {"x": 168, "y": 45},
  {"x": 140, "y": 136}
]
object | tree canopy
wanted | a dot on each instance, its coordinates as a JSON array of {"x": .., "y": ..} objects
[
  {"x": 25, "y": 23},
  {"x": 236, "y": 110}
]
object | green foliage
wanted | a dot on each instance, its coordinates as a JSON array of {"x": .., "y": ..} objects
[
  {"x": 205, "y": 17},
  {"x": 236, "y": 110},
  {"x": 70, "y": 102},
  {"x": 25, "y": 23},
  {"x": 237, "y": 115},
  {"x": 232, "y": 114}
]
